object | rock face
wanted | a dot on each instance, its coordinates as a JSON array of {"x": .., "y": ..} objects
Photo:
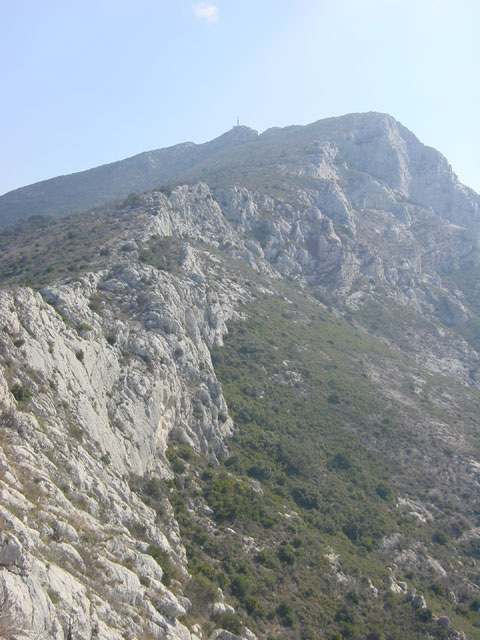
[
  {"x": 99, "y": 372},
  {"x": 111, "y": 367}
]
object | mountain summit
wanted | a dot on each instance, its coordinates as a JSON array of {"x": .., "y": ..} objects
[{"x": 372, "y": 143}]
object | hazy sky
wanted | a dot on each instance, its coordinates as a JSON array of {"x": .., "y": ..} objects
[{"x": 85, "y": 82}]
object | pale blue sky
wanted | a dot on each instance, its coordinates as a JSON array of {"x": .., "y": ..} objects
[{"x": 85, "y": 82}]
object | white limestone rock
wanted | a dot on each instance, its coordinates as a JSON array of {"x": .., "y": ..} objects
[
  {"x": 13, "y": 555},
  {"x": 167, "y": 604}
]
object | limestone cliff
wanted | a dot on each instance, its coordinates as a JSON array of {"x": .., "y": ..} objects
[{"x": 97, "y": 376}]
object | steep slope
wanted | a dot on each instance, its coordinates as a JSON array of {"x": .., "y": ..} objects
[
  {"x": 333, "y": 317},
  {"x": 104, "y": 370},
  {"x": 82, "y": 191}
]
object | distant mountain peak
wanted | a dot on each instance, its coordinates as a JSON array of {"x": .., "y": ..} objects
[
  {"x": 373, "y": 143},
  {"x": 237, "y": 134}
]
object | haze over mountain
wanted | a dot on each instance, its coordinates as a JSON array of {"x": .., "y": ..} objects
[
  {"x": 82, "y": 191},
  {"x": 245, "y": 402},
  {"x": 229, "y": 159}
]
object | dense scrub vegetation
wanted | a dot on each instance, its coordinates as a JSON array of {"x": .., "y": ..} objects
[
  {"x": 304, "y": 504},
  {"x": 40, "y": 250}
]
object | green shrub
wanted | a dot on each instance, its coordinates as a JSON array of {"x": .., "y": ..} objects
[
  {"x": 260, "y": 471},
  {"x": 202, "y": 592},
  {"x": 133, "y": 200},
  {"x": 83, "y": 326},
  {"x": 352, "y": 531},
  {"x": 242, "y": 586},
  {"x": 285, "y": 611},
  {"x": 94, "y": 303},
  {"x": 177, "y": 465},
  {"x": 162, "y": 253},
  {"x": 21, "y": 392},
  {"x": 105, "y": 458},
  {"x": 286, "y": 554},
  {"x": 340, "y": 461},
  {"x": 162, "y": 559},
  {"x": 184, "y": 452},
  {"x": 76, "y": 432},
  {"x": 440, "y": 537},
  {"x": 348, "y": 629},
  {"x": 437, "y": 589},
  {"x": 53, "y": 595},
  {"x": 425, "y": 615},
  {"x": 475, "y": 605},
  {"x": 229, "y": 621},
  {"x": 267, "y": 559},
  {"x": 383, "y": 491},
  {"x": 252, "y": 606},
  {"x": 231, "y": 500},
  {"x": 153, "y": 488},
  {"x": 305, "y": 497},
  {"x": 333, "y": 398}
]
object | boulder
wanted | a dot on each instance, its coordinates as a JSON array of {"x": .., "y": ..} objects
[{"x": 12, "y": 553}]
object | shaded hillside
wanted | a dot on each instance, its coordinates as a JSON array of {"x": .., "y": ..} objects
[{"x": 82, "y": 191}]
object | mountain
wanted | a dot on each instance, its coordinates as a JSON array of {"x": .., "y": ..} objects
[
  {"x": 88, "y": 189},
  {"x": 246, "y": 403},
  {"x": 356, "y": 145}
]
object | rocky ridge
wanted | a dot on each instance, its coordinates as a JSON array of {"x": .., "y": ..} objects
[{"x": 110, "y": 367}]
